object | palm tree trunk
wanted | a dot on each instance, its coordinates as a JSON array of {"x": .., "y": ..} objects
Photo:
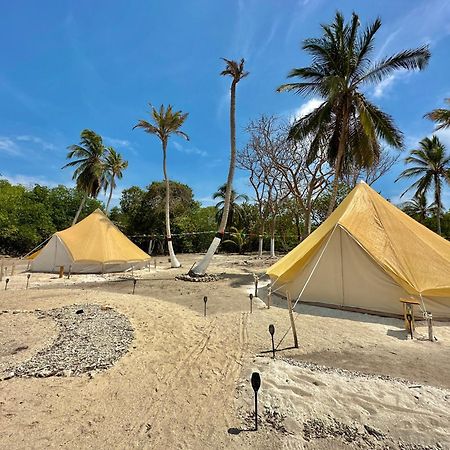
[
  {"x": 83, "y": 201},
  {"x": 437, "y": 199},
  {"x": 110, "y": 195},
  {"x": 339, "y": 161},
  {"x": 201, "y": 267},
  {"x": 173, "y": 259}
]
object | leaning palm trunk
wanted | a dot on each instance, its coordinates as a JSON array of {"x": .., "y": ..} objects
[
  {"x": 83, "y": 201},
  {"x": 201, "y": 267},
  {"x": 173, "y": 259},
  {"x": 437, "y": 199},
  {"x": 110, "y": 195}
]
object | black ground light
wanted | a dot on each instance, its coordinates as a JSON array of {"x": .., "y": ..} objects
[
  {"x": 272, "y": 332},
  {"x": 256, "y": 383},
  {"x": 28, "y": 279},
  {"x": 134, "y": 284},
  {"x": 205, "y": 300},
  {"x": 6, "y": 283},
  {"x": 251, "y": 302}
]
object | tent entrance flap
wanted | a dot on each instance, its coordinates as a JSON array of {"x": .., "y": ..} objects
[{"x": 343, "y": 274}]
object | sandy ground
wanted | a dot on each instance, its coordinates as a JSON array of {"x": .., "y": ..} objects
[{"x": 184, "y": 382}]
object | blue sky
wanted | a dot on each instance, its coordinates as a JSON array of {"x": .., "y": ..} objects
[{"x": 70, "y": 65}]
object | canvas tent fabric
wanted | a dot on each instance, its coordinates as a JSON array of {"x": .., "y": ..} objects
[
  {"x": 93, "y": 245},
  {"x": 368, "y": 254}
]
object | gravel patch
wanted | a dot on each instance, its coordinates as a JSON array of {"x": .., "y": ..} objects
[
  {"x": 366, "y": 437},
  {"x": 91, "y": 338}
]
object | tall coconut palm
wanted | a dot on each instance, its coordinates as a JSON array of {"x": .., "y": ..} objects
[
  {"x": 89, "y": 167},
  {"x": 235, "y": 208},
  {"x": 347, "y": 123},
  {"x": 441, "y": 116},
  {"x": 236, "y": 71},
  {"x": 165, "y": 123},
  {"x": 431, "y": 165},
  {"x": 114, "y": 166},
  {"x": 418, "y": 207}
]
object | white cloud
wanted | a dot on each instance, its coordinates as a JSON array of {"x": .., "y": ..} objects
[
  {"x": 119, "y": 142},
  {"x": 383, "y": 86},
  {"x": 189, "y": 150},
  {"x": 37, "y": 140},
  {"x": 29, "y": 181},
  {"x": 444, "y": 136},
  {"x": 8, "y": 146},
  {"x": 306, "y": 108}
]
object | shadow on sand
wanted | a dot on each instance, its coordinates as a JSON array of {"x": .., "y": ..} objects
[{"x": 236, "y": 431}]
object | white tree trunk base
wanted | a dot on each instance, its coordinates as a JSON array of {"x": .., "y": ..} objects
[
  {"x": 260, "y": 247},
  {"x": 201, "y": 267},
  {"x": 272, "y": 247},
  {"x": 174, "y": 263}
]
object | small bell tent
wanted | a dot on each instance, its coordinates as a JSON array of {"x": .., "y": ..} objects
[
  {"x": 367, "y": 255},
  {"x": 93, "y": 245}
]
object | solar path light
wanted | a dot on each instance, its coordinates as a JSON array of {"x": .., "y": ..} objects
[
  {"x": 6, "y": 283},
  {"x": 272, "y": 332},
  {"x": 28, "y": 279},
  {"x": 256, "y": 383},
  {"x": 134, "y": 284},
  {"x": 251, "y": 303},
  {"x": 205, "y": 300}
]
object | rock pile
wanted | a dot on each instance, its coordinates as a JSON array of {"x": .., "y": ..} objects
[
  {"x": 198, "y": 278},
  {"x": 91, "y": 338}
]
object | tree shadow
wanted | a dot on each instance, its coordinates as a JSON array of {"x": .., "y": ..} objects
[{"x": 237, "y": 431}]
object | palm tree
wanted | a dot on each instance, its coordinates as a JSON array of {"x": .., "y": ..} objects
[
  {"x": 236, "y": 71},
  {"x": 235, "y": 208},
  {"x": 89, "y": 172},
  {"x": 114, "y": 167},
  {"x": 347, "y": 124},
  {"x": 431, "y": 165},
  {"x": 441, "y": 116},
  {"x": 418, "y": 207},
  {"x": 165, "y": 123}
]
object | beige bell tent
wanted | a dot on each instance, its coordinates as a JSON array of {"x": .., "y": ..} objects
[
  {"x": 367, "y": 255},
  {"x": 94, "y": 245}
]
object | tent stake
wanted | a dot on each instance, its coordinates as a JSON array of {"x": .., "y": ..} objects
[
  {"x": 430, "y": 327},
  {"x": 291, "y": 317}
]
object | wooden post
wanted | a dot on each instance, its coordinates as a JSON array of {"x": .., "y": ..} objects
[
  {"x": 256, "y": 285},
  {"x": 291, "y": 317},
  {"x": 61, "y": 271},
  {"x": 2, "y": 269},
  {"x": 430, "y": 327}
]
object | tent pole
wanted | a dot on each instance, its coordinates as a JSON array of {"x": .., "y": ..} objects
[
  {"x": 304, "y": 286},
  {"x": 291, "y": 318}
]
